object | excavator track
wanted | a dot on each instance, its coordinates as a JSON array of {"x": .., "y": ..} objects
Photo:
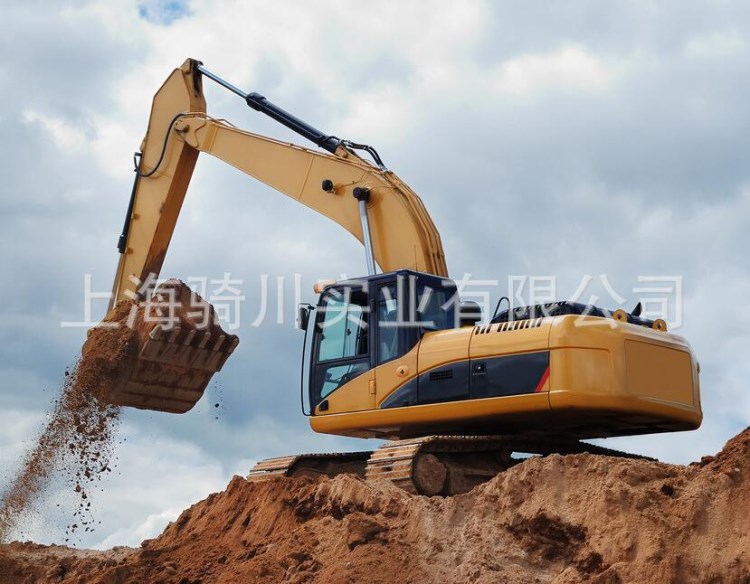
[
  {"x": 328, "y": 464},
  {"x": 414, "y": 464},
  {"x": 450, "y": 465},
  {"x": 429, "y": 465}
]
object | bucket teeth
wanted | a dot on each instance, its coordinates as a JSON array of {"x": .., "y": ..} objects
[
  {"x": 219, "y": 342},
  {"x": 189, "y": 338},
  {"x": 204, "y": 340},
  {"x": 175, "y": 363},
  {"x": 225, "y": 355},
  {"x": 175, "y": 332}
]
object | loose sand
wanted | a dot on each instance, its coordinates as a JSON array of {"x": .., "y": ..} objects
[{"x": 561, "y": 519}]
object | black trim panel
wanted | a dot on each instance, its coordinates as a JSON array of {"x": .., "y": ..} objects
[
  {"x": 507, "y": 375},
  {"x": 406, "y": 395},
  {"x": 446, "y": 383},
  {"x": 473, "y": 379}
]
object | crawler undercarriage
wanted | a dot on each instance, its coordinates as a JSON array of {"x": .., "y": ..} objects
[{"x": 430, "y": 465}]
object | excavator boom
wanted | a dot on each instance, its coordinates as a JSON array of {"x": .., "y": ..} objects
[
  {"x": 372, "y": 203},
  {"x": 402, "y": 232}
]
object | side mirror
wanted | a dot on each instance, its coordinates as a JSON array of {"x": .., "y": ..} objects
[
  {"x": 469, "y": 313},
  {"x": 303, "y": 317}
]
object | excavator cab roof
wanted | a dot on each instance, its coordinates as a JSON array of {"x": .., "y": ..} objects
[{"x": 402, "y": 274}]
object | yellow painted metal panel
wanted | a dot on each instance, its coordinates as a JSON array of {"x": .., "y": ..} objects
[
  {"x": 589, "y": 390},
  {"x": 605, "y": 368},
  {"x": 352, "y": 396},
  {"x": 403, "y": 234},
  {"x": 581, "y": 370},
  {"x": 393, "y": 374},
  {"x": 441, "y": 347},
  {"x": 497, "y": 342},
  {"x": 659, "y": 373},
  {"x": 615, "y": 412},
  {"x": 396, "y": 420},
  {"x": 159, "y": 197}
]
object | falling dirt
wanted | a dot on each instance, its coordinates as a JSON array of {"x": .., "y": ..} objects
[
  {"x": 77, "y": 445},
  {"x": 561, "y": 519},
  {"x": 78, "y": 440},
  {"x": 217, "y": 400}
]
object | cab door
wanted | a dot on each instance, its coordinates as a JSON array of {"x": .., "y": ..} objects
[
  {"x": 341, "y": 350},
  {"x": 404, "y": 309}
]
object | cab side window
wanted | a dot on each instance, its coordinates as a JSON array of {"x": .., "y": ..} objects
[{"x": 433, "y": 307}]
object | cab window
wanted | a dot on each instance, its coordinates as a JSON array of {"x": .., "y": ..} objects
[
  {"x": 433, "y": 307},
  {"x": 343, "y": 329},
  {"x": 388, "y": 321},
  {"x": 342, "y": 339}
]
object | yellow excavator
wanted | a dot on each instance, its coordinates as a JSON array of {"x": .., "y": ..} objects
[{"x": 395, "y": 354}]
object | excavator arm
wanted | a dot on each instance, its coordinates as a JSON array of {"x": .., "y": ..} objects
[
  {"x": 172, "y": 367},
  {"x": 402, "y": 234}
]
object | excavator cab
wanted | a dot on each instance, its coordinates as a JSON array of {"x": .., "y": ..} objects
[
  {"x": 364, "y": 323},
  {"x": 396, "y": 355}
]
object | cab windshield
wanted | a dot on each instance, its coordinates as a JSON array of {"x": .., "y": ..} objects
[{"x": 343, "y": 328}]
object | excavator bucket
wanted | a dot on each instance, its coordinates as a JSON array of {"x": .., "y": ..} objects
[{"x": 167, "y": 348}]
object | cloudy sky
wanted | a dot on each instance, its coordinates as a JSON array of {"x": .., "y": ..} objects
[{"x": 583, "y": 141}]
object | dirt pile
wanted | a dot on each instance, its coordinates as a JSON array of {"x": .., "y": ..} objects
[{"x": 562, "y": 519}]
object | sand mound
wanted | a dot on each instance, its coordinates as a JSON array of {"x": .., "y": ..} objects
[{"x": 567, "y": 519}]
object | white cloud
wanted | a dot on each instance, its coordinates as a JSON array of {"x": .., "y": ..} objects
[
  {"x": 18, "y": 428},
  {"x": 716, "y": 44},
  {"x": 133, "y": 534},
  {"x": 570, "y": 67},
  {"x": 64, "y": 135}
]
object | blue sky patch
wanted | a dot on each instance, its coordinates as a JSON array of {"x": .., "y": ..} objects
[{"x": 163, "y": 12}]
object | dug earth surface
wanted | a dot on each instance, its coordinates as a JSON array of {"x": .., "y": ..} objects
[{"x": 561, "y": 519}]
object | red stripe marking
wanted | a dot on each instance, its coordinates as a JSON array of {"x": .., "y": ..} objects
[{"x": 543, "y": 380}]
